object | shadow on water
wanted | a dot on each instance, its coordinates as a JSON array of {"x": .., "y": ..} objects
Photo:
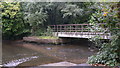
[{"x": 19, "y": 53}]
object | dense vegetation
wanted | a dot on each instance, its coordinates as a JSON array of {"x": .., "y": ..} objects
[
  {"x": 32, "y": 18},
  {"x": 109, "y": 52},
  {"x": 19, "y": 19},
  {"x": 12, "y": 20}
]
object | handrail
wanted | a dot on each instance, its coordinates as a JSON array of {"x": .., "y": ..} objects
[
  {"x": 74, "y": 24},
  {"x": 76, "y": 27}
]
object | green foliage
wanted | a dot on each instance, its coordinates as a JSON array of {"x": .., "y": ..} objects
[
  {"x": 47, "y": 37},
  {"x": 105, "y": 13},
  {"x": 49, "y": 32},
  {"x": 77, "y": 12},
  {"x": 40, "y": 15},
  {"x": 18, "y": 17},
  {"x": 12, "y": 20},
  {"x": 55, "y": 16},
  {"x": 109, "y": 52},
  {"x": 39, "y": 32},
  {"x": 34, "y": 15}
]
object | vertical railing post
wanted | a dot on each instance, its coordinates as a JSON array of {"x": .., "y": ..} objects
[
  {"x": 75, "y": 29},
  {"x": 57, "y": 28},
  {"x": 82, "y": 29},
  {"x": 65, "y": 28},
  {"x": 89, "y": 32},
  {"x": 70, "y": 28},
  {"x": 60, "y": 29},
  {"x": 54, "y": 28},
  {"x": 87, "y": 29}
]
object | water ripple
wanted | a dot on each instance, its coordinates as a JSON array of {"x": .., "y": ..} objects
[{"x": 19, "y": 61}]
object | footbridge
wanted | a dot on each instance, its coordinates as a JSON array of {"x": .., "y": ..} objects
[{"x": 83, "y": 30}]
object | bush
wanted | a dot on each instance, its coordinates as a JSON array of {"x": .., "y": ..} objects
[
  {"x": 109, "y": 53},
  {"x": 13, "y": 25}
]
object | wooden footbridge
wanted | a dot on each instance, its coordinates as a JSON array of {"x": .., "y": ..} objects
[{"x": 82, "y": 30}]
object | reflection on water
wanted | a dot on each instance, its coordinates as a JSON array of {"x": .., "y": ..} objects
[{"x": 18, "y": 53}]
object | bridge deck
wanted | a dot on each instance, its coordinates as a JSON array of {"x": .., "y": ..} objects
[{"x": 82, "y": 35}]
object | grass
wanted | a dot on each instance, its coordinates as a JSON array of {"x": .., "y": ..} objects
[{"x": 48, "y": 37}]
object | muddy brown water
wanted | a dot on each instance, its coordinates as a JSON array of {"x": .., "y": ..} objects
[{"x": 19, "y": 53}]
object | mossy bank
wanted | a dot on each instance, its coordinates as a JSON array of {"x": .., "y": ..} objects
[{"x": 45, "y": 39}]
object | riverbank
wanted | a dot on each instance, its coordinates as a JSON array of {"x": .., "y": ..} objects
[{"x": 45, "y": 39}]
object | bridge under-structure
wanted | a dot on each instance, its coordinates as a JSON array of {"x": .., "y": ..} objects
[{"x": 82, "y": 30}]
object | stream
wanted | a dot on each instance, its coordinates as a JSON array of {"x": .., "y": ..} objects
[{"x": 19, "y": 53}]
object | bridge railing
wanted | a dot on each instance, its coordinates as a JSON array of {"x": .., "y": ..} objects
[
  {"x": 70, "y": 27},
  {"x": 83, "y": 28}
]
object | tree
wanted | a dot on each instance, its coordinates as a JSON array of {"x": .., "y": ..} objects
[
  {"x": 40, "y": 15},
  {"x": 12, "y": 20},
  {"x": 55, "y": 16},
  {"x": 35, "y": 16},
  {"x": 78, "y": 12}
]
